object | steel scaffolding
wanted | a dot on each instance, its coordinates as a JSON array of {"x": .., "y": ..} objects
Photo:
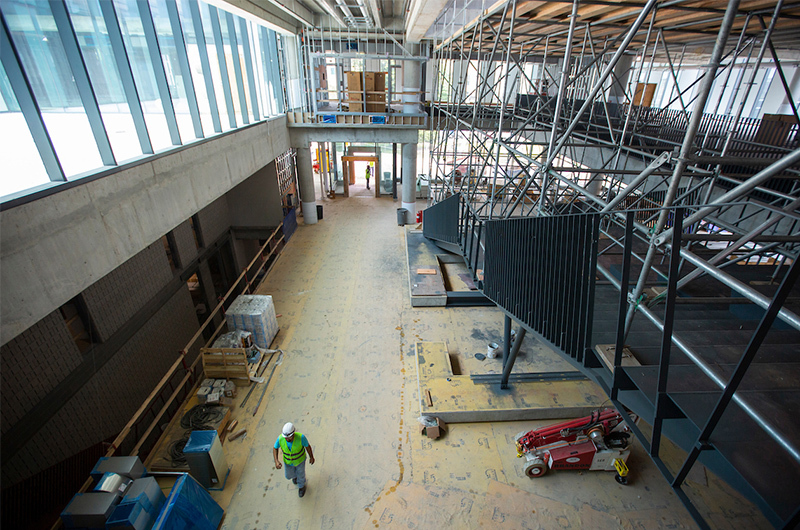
[{"x": 545, "y": 109}]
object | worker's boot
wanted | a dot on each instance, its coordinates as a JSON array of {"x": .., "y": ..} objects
[
  {"x": 302, "y": 491},
  {"x": 294, "y": 480}
]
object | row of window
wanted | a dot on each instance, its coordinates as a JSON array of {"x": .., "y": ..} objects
[{"x": 87, "y": 84}]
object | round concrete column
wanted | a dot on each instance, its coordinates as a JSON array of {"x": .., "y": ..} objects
[
  {"x": 412, "y": 81},
  {"x": 620, "y": 80},
  {"x": 410, "y": 179},
  {"x": 305, "y": 176}
]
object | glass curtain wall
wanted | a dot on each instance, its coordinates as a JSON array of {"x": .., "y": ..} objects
[{"x": 89, "y": 84}]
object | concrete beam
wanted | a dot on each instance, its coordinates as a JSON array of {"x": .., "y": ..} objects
[
  {"x": 421, "y": 17},
  {"x": 300, "y": 137},
  {"x": 288, "y": 16},
  {"x": 56, "y": 246}
]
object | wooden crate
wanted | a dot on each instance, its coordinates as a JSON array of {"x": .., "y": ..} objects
[
  {"x": 227, "y": 363},
  {"x": 376, "y": 91},
  {"x": 355, "y": 91}
]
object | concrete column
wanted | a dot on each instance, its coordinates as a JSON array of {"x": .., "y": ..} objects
[
  {"x": 619, "y": 81},
  {"x": 412, "y": 80},
  {"x": 305, "y": 176},
  {"x": 410, "y": 179}
]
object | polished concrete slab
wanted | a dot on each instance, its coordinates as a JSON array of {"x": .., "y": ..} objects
[{"x": 348, "y": 381}]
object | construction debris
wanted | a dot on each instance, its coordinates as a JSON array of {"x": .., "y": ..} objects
[{"x": 237, "y": 434}]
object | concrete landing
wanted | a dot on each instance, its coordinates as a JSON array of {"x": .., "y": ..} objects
[
  {"x": 427, "y": 290},
  {"x": 456, "y": 399}
]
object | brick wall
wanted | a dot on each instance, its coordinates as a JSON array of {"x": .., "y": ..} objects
[
  {"x": 116, "y": 297},
  {"x": 110, "y": 398},
  {"x": 214, "y": 220},
  {"x": 32, "y": 364},
  {"x": 184, "y": 241}
]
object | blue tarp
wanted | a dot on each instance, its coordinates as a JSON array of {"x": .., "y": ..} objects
[
  {"x": 289, "y": 224},
  {"x": 189, "y": 507}
]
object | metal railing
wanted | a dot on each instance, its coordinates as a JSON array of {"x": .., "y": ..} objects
[
  {"x": 541, "y": 271},
  {"x": 441, "y": 220}
]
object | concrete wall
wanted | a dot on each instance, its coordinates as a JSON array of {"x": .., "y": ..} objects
[
  {"x": 214, "y": 220},
  {"x": 117, "y": 297},
  {"x": 186, "y": 248},
  {"x": 104, "y": 405},
  {"x": 55, "y": 247},
  {"x": 33, "y": 363},
  {"x": 257, "y": 201},
  {"x": 102, "y": 240}
]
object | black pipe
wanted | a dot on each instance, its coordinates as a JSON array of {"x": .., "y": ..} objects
[{"x": 512, "y": 357}]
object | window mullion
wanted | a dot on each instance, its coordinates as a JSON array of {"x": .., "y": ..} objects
[
  {"x": 248, "y": 63},
  {"x": 237, "y": 67},
  {"x": 78, "y": 68},
  {"x": 183, "y": 61},
  {"x": 154, "y": 50},
  {"x": 27, "y": 103},
  {"x": 223, "y": 67},
  {"x": 126, "y": 75}
]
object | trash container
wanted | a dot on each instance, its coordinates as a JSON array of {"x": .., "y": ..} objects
[
  {"x": 401, "y": 216},
  {"x": 319, "y": 211}
]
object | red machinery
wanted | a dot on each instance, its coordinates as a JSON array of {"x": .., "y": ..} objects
[{"x": 598, "y": 442}]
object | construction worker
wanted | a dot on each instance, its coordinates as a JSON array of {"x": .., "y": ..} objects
[
  {"x": 369, "y": 173},
  {"x": 294, "y": 447}
]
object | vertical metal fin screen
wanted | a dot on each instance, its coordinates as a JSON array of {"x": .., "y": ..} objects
[
  {"x": 542, "y": 271},
  {"x": 440, "y": 221}
]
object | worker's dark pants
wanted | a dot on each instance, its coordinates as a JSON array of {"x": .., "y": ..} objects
[{"x": 298, "y": 471}]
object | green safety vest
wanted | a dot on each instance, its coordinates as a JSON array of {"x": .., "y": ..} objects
[{"x": 296, "y": 454}]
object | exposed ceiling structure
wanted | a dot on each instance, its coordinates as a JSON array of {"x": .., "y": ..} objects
[
  {"x": 350, "y": 14},
  {"x": 692, "y": 23}
]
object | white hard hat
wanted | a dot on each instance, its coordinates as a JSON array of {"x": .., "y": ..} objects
[{"x": 288, "y": 429}]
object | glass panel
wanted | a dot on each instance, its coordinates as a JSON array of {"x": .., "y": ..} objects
[
  {"x": 229, "y": 58},
  {"x": 211, "y": 48},
  {"x": 192, "y": 50},
  {"x": 172, "y": 67},
  {"x": 90, "y": 28},
  {"x": 275, "y": 72},
  {"x": 239, "y": 56},
  {"x": 19, "y": 158},
  {"x": 292, "y": 74},
  {"x": 257, "y": 48},
  {"x": 139, "y": 58},
  {"x": 763, "y": 89},
  {"x": 34, "y": 32}
]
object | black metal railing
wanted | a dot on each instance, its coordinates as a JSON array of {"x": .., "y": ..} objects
[
  {"x": 541, "y": 271},
  {"x": 440, "y": 221},
  {"x": 470, "y": 240}
]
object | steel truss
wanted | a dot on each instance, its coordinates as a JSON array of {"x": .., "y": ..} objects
[{"x": 538, "y": 111}]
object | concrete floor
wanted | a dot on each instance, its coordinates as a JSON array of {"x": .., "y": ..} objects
[{"x": 348, "y": 381}]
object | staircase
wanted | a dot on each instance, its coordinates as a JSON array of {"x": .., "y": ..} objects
[{"x": 738, "y": 418}]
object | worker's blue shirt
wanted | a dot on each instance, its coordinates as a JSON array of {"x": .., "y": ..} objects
[{"x": 303, "y": 440}]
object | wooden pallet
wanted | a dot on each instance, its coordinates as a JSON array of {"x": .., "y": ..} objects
[{"x": 230, "y": 364}]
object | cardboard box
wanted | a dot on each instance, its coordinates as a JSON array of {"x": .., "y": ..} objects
[
  {"x": 202, "y": 394},
  {"x": 434, "y": 432}
]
